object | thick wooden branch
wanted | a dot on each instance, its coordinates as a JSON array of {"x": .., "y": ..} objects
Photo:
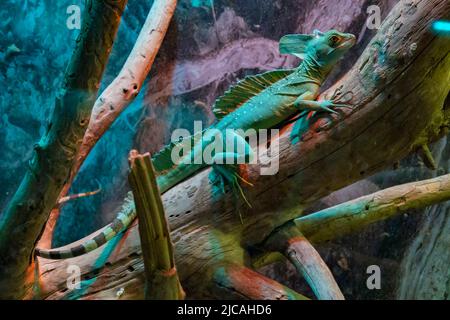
[
  {"x": 121, "y": 92},
  {"x": 403, "y": 69},
  {"x": 238, "y": 282},
  {"x": 353, "y": 216},
  {"x": 127, "y": 85},
  {"x": 162, "y": 281},
  {"x": 25, "y": 216},
  {"x": 289, "y": 241}
]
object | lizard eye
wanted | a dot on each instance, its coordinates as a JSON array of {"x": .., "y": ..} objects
[{"x": 334, "y": 40}]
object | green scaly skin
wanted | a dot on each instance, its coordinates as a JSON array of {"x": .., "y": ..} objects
[
  {"x": 270, "y": 107},
  {"x": 277, "y": 103}
]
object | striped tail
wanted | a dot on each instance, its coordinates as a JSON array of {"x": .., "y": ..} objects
[
  {"x": 123, "y": 219},
  {"x": 65, "y": 199},
  {"x": 119, "y": 224},
  {"x": 77, "y": 196}
]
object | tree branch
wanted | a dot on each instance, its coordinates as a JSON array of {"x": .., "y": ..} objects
[
  {"x": 121, "y": 92},
  {"x": 25, "y": 216},
  {"x": 355, "y": 215},
  {"x": 289, "y": 241},
  {"x": 238, "y": 282},
  {"x": 127, "y": 85},
  {"x": 162, "y": 281}
]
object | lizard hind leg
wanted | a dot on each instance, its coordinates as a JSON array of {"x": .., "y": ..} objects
[
  {"x": 301, "y": 126},
  {"x": 227, "y": 174},
  {"x": 226, "y": 167}
]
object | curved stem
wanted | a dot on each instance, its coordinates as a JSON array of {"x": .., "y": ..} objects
[
  {"x": 353, "y": 216},
  {"x": 299, "y": 251},
  {"x": 162, "y": 282},
  {"x": 244, "y": 283},
  {"x": 24, "y": 217}
]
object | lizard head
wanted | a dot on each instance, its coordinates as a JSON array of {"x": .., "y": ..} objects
[
  {"x": 324, "y": 48},
  {"x": 327, "y": 48}
]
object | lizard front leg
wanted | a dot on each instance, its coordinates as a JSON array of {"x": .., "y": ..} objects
[{"x": 307, "y": 101}]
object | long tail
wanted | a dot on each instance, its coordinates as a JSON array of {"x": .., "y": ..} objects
[
  {"x": 119, "y": 224},
  {"x": 78, "y": 196},
  {"x": 124, "y": 218},
  {"x": 126, "y": 215}
]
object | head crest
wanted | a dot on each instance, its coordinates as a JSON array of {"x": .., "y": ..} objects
[
  {"x": 295, "y": 44},
  {"x": 318, "y": 33}
]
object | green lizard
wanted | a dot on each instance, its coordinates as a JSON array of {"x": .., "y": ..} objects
[{"x": 257, "y": 102}]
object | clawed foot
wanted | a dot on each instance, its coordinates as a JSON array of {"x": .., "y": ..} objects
[
  {"x": 339, "y": 99},
  {"x": 227, "y": 174},
  {"x": 303, "y": 121},
  {"x": 326, "y": 105}
]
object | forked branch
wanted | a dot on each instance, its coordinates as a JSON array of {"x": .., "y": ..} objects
[
  {"x": 162, "y": 282},
  {"x": 25, "y": 216},
  {"x": 290, "y": 242},
  {"x": 355, "y": 215},
  {"x": 121, "y": 92}
]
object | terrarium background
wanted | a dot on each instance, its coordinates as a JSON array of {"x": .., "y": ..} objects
[{"x": 239, "y": 38}]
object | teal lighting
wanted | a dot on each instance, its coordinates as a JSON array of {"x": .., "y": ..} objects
[{"x": 441, "y": 27}]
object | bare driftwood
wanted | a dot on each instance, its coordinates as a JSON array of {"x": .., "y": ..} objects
[
  {"x": 353, "y": 216},
  {"x": 290, "y": 242},
  {"x": 24, "y": 218},
  {"x": 403, "y": 69},
  {"x": 238, "y": 282},
  {"x": 121, "y": 92},
  {"x": 161, "y": 277}
]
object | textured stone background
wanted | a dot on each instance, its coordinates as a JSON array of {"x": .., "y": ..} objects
[{"x": 210, "y": 45}]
